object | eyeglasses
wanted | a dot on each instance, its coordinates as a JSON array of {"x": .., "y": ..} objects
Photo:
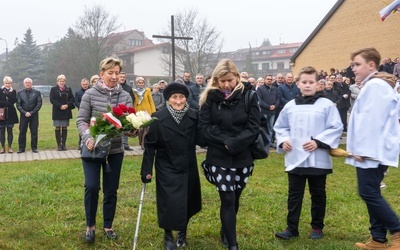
[{"x": 268, "y": 79}]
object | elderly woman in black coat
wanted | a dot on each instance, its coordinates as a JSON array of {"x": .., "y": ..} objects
[
  {"x": 8, "y": 97},
  {"x": 171, "y": 141},
  {"x": 229, "y": 127},
  {"x": 62, "y": 98}
]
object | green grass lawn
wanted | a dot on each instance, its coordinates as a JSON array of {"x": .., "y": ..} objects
[{"x": 41, "y": 207}]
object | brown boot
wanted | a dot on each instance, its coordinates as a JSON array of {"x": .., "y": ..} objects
[
  {"x": 371, "y": 245},
  {"x": 395, "y": 241}
]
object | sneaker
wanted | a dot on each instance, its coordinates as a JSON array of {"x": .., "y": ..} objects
[
  {"x": 316, "y": 234},
  {"x": 127, "y": 148},
  {"x": 286, "y": 235},
  {"x": 371, "y": 244},
  {"x": 383, "y": 185}
]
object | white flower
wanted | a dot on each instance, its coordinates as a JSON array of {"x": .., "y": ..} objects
[{"x": 134, "y": 120}]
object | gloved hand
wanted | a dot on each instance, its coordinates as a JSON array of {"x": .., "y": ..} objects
[{"x": 146, "y": 178}]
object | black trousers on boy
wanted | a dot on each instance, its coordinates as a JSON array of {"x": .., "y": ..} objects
[{"x": 316, "y": 184}]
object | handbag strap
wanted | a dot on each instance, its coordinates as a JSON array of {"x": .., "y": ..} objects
[{"x": 247, "y": 98}]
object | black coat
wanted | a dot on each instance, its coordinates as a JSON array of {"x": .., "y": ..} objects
[
  {"x": 7, "y": 101},
  {"x": 341, "y": 89},
  {"x": 173, "y": 147},
  {"x": 29, "y": 101},
  {"x": 268, "y": 96},
  {"x": 59, "y": 98},
  {"x": 227, "y": 122},
  {"x": 78, "y": 96},
  {"x": 331, "y": 95}
]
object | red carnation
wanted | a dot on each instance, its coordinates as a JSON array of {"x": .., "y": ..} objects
[
  {"x": 123, "y": 107},
  {"x": 131, "y": 110},
  {"x": 117, "y": 111}
]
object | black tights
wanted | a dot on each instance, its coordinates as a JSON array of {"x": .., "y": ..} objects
[
  {"x": 10, "y": 136},
  {"x": 228, "y": 211}
]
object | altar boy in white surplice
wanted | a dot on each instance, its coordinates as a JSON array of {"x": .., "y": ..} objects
[
  {"x": 373, "y": 138},
  {"x": 307, "y": 127}
]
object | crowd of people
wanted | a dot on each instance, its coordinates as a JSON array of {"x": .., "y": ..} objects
[{"x": 305, "y": 115}]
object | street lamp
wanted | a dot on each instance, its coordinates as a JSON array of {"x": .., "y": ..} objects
[{"x": 6, "y": 48}]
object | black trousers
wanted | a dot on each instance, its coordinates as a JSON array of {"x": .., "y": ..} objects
[
  {"x": 110, "y": 186},
  {"x": 316, "y": 184},
  {"x": 33, "y": 123},
  {"x": 343, "y": 117}
]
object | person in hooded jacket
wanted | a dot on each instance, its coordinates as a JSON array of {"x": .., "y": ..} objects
[
  {"x": 229, "y": 127},
  {"x": 171, "y": 141}
]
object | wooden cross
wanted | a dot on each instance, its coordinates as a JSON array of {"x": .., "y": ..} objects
[{"x": 173, "y": 38}]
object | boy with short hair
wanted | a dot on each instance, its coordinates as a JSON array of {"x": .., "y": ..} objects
[
  {"x": 373, "y": 138},
  {"x": 307, "y": 127}
]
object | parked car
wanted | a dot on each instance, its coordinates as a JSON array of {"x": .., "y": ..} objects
[{"x": 44, "y": 89}]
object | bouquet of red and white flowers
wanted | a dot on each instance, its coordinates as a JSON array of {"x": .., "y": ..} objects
[{"x": 119, "y": 119}]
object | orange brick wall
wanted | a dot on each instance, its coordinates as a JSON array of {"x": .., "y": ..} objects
[{"x": 355, "y": 24}]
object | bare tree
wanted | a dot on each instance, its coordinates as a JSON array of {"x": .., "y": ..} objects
[
  {"x": 197, "y": 55},
  {"x": 94, "y": 28}
]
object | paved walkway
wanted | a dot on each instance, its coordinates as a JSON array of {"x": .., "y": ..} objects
[
  {"x": 54, "y": 154},
  {"x": 70, "y": 154}
]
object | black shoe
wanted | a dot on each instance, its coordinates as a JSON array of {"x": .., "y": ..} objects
[
  {"x": 223, "y": 238},
  {"x": 35, "y": 150},
  {"x": 286, "y": 235},
  {"x": 111, "y": 235},
  {"x": 20, "y": 151},
  {"x": 89, "y": 236},
  {"x": 127, "y": 148},
  {"x": 169, "y": 241},
  {"x": 181, "y": 239}
]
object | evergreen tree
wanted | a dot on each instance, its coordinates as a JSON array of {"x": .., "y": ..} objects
[{"x": 25, "y": 61}]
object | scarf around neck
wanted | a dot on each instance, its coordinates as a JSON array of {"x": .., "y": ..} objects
[
  {"x": 140, "y": 93},
  {"x": 177, "y": 114},
  {"x": 6, "y": 90}
]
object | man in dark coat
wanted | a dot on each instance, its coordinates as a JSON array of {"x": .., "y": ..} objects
[
  {"x": 268, "y": 99},
  {"x": 29, "y": 102},
  {"x": 343, "y": 104},
  {"x": 77, "y": 100},
  {"x": 79, "y": 93},
  {"x": 195, "y": 92},
  {"x": 172, "y": 145},
  {"x": 186, "y": 79}
]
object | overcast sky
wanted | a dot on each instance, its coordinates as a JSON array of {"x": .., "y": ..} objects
[{"x": 240, "y": 22}]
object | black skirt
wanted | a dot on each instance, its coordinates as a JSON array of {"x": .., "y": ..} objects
[{"x": 227, "y": 179}]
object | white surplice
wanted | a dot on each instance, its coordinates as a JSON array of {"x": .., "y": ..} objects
[
  {"x": 374, "y": 129},
  {"x": 301, "y": 123}
]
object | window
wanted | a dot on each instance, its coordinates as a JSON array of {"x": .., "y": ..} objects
[
  {"x": 281, "y": 51},
  {"x": 135, "y": 42},
  {"x": 265, "y": 66},
  {"x": 293, "y": 50},
  {"x": 280, "y": 65},
  {"x": 266, "y": 52}
]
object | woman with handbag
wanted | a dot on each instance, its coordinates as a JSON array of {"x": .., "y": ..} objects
[
  {"x": 229, "y": 131},
  {"x": 171, "y": 141},
  {"x": 106, "y": 92},
  {"x": 62, "y": 99},
  {"x": 9, "y": 117}
]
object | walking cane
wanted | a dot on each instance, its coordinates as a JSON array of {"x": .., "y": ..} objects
[{"x": 138, "y": 217}]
